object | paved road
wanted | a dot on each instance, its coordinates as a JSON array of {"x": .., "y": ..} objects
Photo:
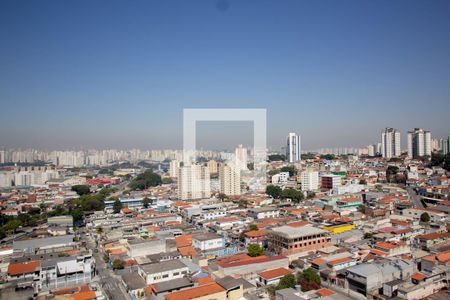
[
  {"x": 415, "y": 199},
  {"x": 110, "y": 282}
]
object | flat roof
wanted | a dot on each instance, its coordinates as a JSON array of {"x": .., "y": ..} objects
[{"x": 294, "y": 232}]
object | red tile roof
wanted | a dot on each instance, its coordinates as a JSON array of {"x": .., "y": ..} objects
[
  {"x": 196, "y": 292},
  {"x": 256, "y": 233},
  {"x": 15, "y": 269},
  {"x": 325, "y": 292},
  {"x": 418, "y": 276},
  {"x": 275, "y": 273}
]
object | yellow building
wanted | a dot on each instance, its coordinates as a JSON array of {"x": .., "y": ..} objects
[{"x": 339, "y": 228}]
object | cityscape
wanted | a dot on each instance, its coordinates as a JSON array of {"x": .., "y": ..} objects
[{"x": 129, "y": 170}]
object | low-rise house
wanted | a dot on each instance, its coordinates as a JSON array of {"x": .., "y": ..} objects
[
  {"x": 143, "y": 247},
  {"x": 368, "y": 278},
  {"x": 425, "y": 241},
  {"x": 416, "y": 213},
  {"x": 247, "y": 267},
  {"x": 134, "y": 285},
  {"x": 25, "y": 274},
  {"x": 263, "y": 212},
  {"x": 203, "y": 292},
  {"x": 228, "y": 223},
  {"x": 207, "y": 241},
  {"x": 157, "y": 291},
  {"x": 272, "y": 277},
  {"x": 393, "y": 249},
  {"x": 258, "y": 237},
  {"x": 163, "y": 271}
]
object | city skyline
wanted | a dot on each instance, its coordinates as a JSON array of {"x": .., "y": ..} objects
[{"x": 335, "y": 76}]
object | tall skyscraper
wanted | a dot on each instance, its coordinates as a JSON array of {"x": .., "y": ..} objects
[
  {"x": 241, "y": 157},
  {"x": 193, "y": 182},
  {"x": 293, "y": 149},
  {"x": 230, "y": 180},
  {"x": 419, "y": 143},
  {"x": 390, "y": 143}
]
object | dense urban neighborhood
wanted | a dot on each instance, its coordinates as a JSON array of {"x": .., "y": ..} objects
[{"x": 333, "y": 224}]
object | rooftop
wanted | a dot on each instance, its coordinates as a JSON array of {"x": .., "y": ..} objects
[
  {"x": 196, "y": 292},
  {"x": 295, "y": 232}
]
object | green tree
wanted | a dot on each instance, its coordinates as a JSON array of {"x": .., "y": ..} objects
[
  {"x": 77, "y": 215},
  {"x": 293, "y": 194},
  {"x": 287, "y": 281},
  {"x": 34, "y": 211},
  {"x": 222, "y": 197},
  {"x": 145, "y": 180},
  {"x": 117, "y": 206},
  {"x": 99, "y": 230},
  {"x": 277, "y": 157},
  {"x": 252, "y": 227},
  {"x": 273, "y": 191},
  {"x": 425, "y": 217},
  {"x": 12, "y": 225},
  {"x": 167, "y": 180},
  {"x": 81, "y": 189},
  {"x": 328, "y": 156},
  {"x": 291, "y": 169},
  {"x": 255, "y": 250},
  {"x": 146, "y": 202},
  {"x": 309, "y": 280},
  {"x": 118, "y": 264},
  {"x": 391, "y": 172}
]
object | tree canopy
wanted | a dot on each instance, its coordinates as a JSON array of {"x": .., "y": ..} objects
[
  {"x": 425, "y": 217},
  {"x": 309, "y": 280},
  {"x": 277, "y": 157},
  {"x": 273, "y": 191},
  {"x": 118, "y": 264},
  {"x": 145, "y": 180},
  {"x": 81, "y": 189},
  {"x": 293, "y": 194},
  {"x": 255, "y": 250},
  {"x": 117, "y": 206},
  {"x": 146, "y": 202},
  {"x": 291, "y": 169}
]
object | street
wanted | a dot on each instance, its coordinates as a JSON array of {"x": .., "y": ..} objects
[
  {"x": 110, "y": 282},
  {"x": 415, "y": 199}
]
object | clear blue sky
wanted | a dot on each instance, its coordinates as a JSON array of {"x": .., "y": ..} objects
[{"x": 118, "y": 73}]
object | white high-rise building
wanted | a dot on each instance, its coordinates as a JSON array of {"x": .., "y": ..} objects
[
  {"x": 213, "y": 166},
  {"x": 390, "y": 143},
  {"x": 293, "y": 148},
  {"x": 241, "y": 157},
  {"x": 435, "y": 145},
  {"x": 173, "y": 168},
  {"x": 371, "y": 150},
  {"x": 2, "y": 156},
  {"x": 419, "y": 143},
  {"x": 193, "y": 182},
  {"x": 310, "y": 180},
  {"x": 230, "y": 180}
]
